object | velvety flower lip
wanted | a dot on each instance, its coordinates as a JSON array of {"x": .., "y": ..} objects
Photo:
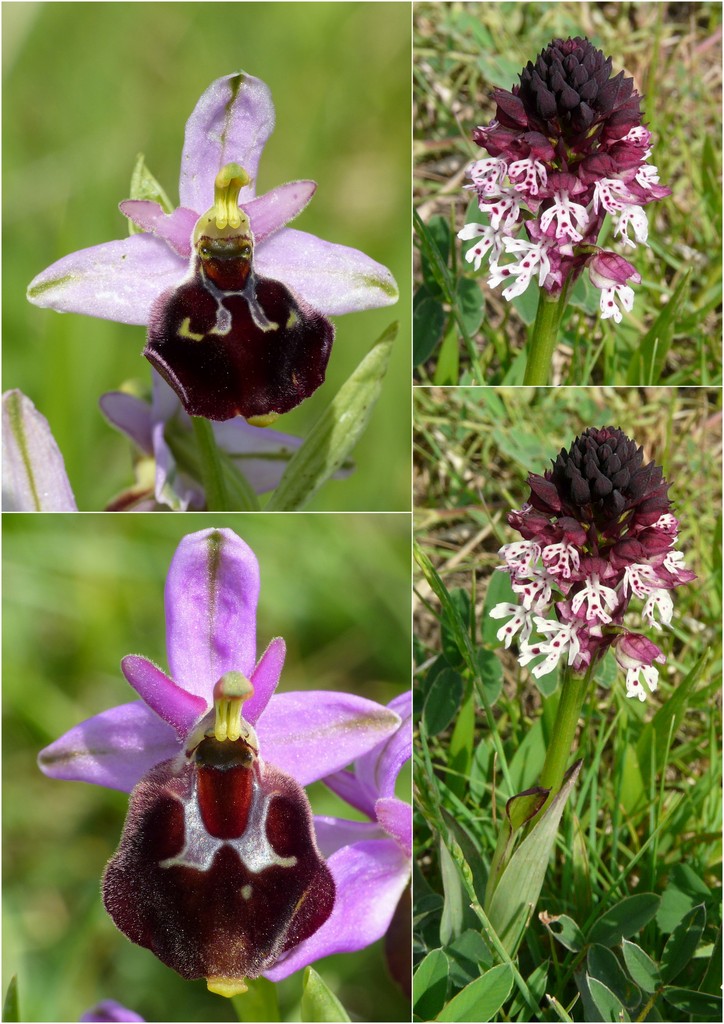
[
  {"x": 121, "y": 280},
  {"x": 598, "y": 531},
  {"x": 211, "y": 597},
  {"x": 566, "y": 148},
  {"x": 33, "y": 473},
  {"x": 370, "y": 861}
]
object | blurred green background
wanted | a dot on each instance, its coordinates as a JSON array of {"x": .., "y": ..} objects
[
  {"x": 87, "y": 86},
  {"x": 79, "y": 593}
]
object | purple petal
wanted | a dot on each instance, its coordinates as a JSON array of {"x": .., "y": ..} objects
[
  {"x": 260, "y": 453},
  {"x": 177, "y": 707},
  {"x": 312, "y": 733},
  {"x": 332, "y": 278},
  {"x": 276, "y": 208},
  {"x": 230, "y": 123},
  {"x": 34, "y": 477},
  {"x": 131, "y": 415},
  {"x": 378, "y": 770},
  {"x": 265, "y": 678},
  {"x": 334, "y": 833},
  {"x": 395, "y": 817},
  {"x": 175, "y": 228},
  {"x": 107, "y": 1011},
  {"x": 347, "y": 786},
  {"x": 114, "y": 281},
  {"x": 370, "y": 878},
  {"x": 113, "y": 749},
  {"x": 211, "y": 596}
]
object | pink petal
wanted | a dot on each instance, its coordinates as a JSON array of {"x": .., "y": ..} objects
[
  {"x": 113, "y": 749},
  {"x": 230, "y": 123},
  {"x": 370, "y": 878},
  {"x": 334, "y": 833},
  {"x": 379, "y": 769},
  {"x": 332, "y": 278},
  {"x": 265, "y": 679},
  {"x": 34, "y": 477},
  {"x": 312, "y": 733},
  {"x": 114, "y": 281},
  {"x": 177, "y": 707},
  {"x": 395, "y": 817},
  {"x": 130, "y": 415},
  {"x": 276, "y": 208},
  {"x": 212, "y": 589},
  {"x": 175, "y": 228}
]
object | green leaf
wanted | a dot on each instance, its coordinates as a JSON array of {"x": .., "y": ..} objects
[
  {"x": 258, "y": 1003},
  {"x": 11, "y": 1006},
  {"x": 451, "y": 922},
  {"x": 685, "y": 889},
  {"x": 443, "y": 701},
  {"x": 608, "y": 1005},
  {"x": 482, "y": 998},
  {"x": 319, "y": 1003},
  {"x": 604, "y": 967},
  {"x": 490, "y": 673},
  {"x": 682, "y": 943},
  {"x": 471, "y": 303},
  {"x": 565, "y": 930},
  {"x": 524, "y": 806},
  {"x": 711, "y": 981},
  {"x": 700, "y": 1005},
  {"x": 429, "y": 985},
  {"x": 468, "y": 956},
  {"x": 337, "y": 431},
  {"x": 428, "y": 321},
  {"x": 460, "y": 749},
  {"x": 517, "y": 892},
  {"x": 643, "y": 970},
  {"x": 449, "y": 632},
  {"x": 145, "y": 186},
  {"x": 447, "y": 370},
  {"x": 624, "y": 919},
  {"x": 658, "y": 730},
  {"x": 647, "y": 364},
  {"x": 537, "y": 983},
  {"x": 435, "y": 252}
]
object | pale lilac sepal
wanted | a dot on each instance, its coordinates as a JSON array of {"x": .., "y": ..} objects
[
  {"x": 176, "y": 706},
  {"x": 107, "y": 1012},
  {"x": 270, "y": 212},
  {"x": 211, "y": 594},
  {"x": 115, "y": 748},
  {"x": 265, "y": 678},
  {"x": 334, "y": 833},
  {"x": 175, "y": 228},
  {"x": 130, "y": 415},
  {"x": 379, "y": 769},
  {"x": 347, "y": 786},
  {"x": 332, "y": 278},
  {"x": 114, "y": 281},
  {"x": 230, "y": 124},
  {"x": 312, "y": 733},
  {"x": 370, "y": 878},
  {"x": 33, "y": 471},
  {"x": 395, "y": 817}
]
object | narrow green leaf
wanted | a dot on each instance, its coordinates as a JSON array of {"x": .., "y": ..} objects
[
  {"x": 700, "y": 1005},
  {"x": 490, "y": 673},
  {"x": 319, "y": 1003},
  {"x": 537, "y": 983},
  {"x": 451, "y": 922},
  {"x": 259, "y": 1003},
  {"x": 468, "y": 956},
  {"x": 460, "y": 750},
  {"x": 428, "y": 321},
  {"x": 607, "y": 1004},
  {"x": 145, "y": 186},
  {"x": 470, "y": 302},
  {"x": 711, "y": 982},
  {"x": 447, "y": 370},
  {"x": 449, "y": 632},
  {"x": 625, "y": 918},
  {"x": 681, "y": 944},
  {"x": 335, "y": 434},
  {"x": 648, "y": 362},
  {"x": 658, "y": 730},
  {"x": 643, "y": 970},
  {"x": 565, "y": 930},
  {"x": 11, "y": 1006},
  {"x": 482, "y": 998},
  {"x": 443, "y": 700},
  {"x": 429, "y": 985},
  {"x": 524, "y": 806},
  {"x": 435, "y": 253},
  {"x": 517, "y": 892}
]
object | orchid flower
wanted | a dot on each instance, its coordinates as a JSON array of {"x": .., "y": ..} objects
[
  {"x": 236, "y": 303},
  {"x": 218, "y": 870}
]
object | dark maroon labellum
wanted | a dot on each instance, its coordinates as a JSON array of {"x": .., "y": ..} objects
[
  {"x": 218, "y": 871},
  {"x": 233, "y": 344}
]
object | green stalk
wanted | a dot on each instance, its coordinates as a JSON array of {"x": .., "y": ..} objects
[
  {"x": 570, "y": 705},
  {"x": 542, "y": 341},
  {"x": 258, "y": 1003},
  {"x": 212, "y": 471}
]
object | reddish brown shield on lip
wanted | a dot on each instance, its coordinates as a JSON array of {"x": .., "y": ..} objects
[
  {"x": 247, "y": 353},
  {"x": 217, "y": 871}
]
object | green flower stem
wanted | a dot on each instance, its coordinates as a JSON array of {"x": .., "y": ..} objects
[
  {"x": 258, "y": 1003},
  {"x": 542, "y": 342},
  {"x": 570, "y": 705},
  {"x": 212, "y": 470}
]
